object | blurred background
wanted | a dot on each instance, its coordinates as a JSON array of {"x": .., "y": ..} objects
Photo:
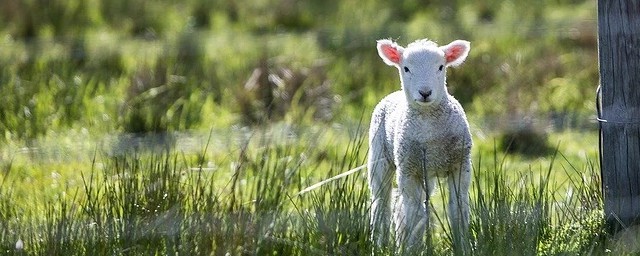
[
  {"x": 244, "y": 103},
  {"x": 139, "y": 66}
]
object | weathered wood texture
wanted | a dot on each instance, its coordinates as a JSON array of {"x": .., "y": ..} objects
[{"x": 619, "y": 55}]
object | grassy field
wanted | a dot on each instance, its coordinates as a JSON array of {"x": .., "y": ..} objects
[
  {"x": 189, "y": 127},
  {"x": 245, "y": 201}
]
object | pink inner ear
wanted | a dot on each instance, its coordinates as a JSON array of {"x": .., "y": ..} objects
[
  {"x": 453, "y": 53},
  {"x": 392, "y": 53}
]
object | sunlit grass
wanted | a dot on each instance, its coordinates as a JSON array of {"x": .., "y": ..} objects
[
  {"x": 192, "y": 178},
  {"x": 235, "y": 193}
]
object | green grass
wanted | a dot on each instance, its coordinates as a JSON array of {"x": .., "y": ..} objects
[
  {"x": 150, "y": 66},
  {"x": 133, "y": 127},
  {"x": 167, "y": 202}
]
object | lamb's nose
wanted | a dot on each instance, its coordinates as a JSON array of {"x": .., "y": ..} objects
[{"x": 425, "y": 94}]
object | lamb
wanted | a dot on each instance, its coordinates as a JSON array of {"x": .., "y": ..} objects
[{"x": 422, "y": 132}]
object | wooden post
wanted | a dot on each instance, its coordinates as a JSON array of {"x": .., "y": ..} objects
[{"x": 619, "y": 55}]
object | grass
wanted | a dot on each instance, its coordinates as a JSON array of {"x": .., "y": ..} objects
[
  {"x": 156, "y": 66},
  {"x": 171, "y": 202},
  {"x": 106, "y": 104}
]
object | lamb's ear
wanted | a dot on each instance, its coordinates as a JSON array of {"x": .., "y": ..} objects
[
  {"x": 456, "y": 52},
  {"x": 390, "y": 52}
]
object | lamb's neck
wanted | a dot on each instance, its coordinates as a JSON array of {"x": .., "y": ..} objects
[{"x": 430, "y": 111}]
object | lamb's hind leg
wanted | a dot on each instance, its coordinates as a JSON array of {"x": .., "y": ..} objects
[
  {"x": 458, "y": 209},
  {"x": 380, "y": 179}
]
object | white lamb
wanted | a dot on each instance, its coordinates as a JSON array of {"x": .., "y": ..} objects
[{"x": 421, "y": 132}]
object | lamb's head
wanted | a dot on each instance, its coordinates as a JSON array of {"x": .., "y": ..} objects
[{"x": 422, "y": 66}]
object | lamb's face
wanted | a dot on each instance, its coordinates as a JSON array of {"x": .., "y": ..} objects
[
  {"x": 422, "y": 66},
  {"x": 422, "y": 73}
]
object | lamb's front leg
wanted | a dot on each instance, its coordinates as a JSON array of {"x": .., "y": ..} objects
[
  {"x": 411, "y": 217},
  {"x": 380, "y": 179},
  {"x": 459, "y": 181}
]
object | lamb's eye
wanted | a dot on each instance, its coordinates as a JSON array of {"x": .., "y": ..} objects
[
  {"x": 441, "y": 67},
  {"x": 406, "y": 69}
]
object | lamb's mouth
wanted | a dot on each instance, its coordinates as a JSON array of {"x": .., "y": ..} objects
[{"x": 423, "y": 101}]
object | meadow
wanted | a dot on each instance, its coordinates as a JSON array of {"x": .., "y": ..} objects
[{"x": 190, "y": 127}]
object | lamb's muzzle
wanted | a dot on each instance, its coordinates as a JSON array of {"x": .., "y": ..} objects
[{"x": 425, "y": 95}]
